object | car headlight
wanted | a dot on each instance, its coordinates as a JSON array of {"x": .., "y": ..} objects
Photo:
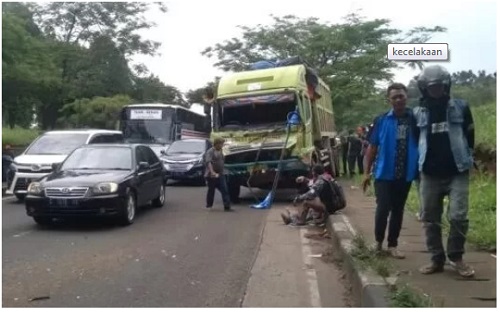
[
  {"x": 35, "y": 188},
  {"x": 105, "y": 188}
]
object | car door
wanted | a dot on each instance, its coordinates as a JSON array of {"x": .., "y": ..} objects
[
  {"x": 143, "y": 177},
  {"x": 156, "y": 168}
]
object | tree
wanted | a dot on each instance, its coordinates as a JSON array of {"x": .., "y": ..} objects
[
  {"x": 350, "y": 56},
  {"x": 151, "y": 89},
  {"x": 99, "y": 112},
  {"x": 77, "y": 24},
  {"x": 102, "y": 71},
  {"x": 28, "y": 67},
  {"x": 198, "y": 95}
]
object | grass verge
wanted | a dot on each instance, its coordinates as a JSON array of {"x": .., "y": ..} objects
[
  {"x": 400, "y": 295},
  {"x": 18, "y": 136},
  {"x": 482, "y": 211},
  {"x": 405, "y": 297}
]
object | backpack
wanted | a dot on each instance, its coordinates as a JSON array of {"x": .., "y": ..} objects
[{"x": 335, "y": 197}]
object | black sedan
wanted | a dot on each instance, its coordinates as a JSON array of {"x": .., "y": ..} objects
[
  {"x": 99, "y": 180},
  {"x": 183, "y": 159}
]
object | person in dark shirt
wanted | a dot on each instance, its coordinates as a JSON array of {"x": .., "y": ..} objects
[
  {"x": 354, "y": 156},
  {"x": 345, "y": 149},
  {"x": 446, "y": 140},
  {"x": 394, "y": 146},
  {"x": 214, "y": 174}
]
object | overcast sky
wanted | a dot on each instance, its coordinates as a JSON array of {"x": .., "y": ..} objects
[{"x": 192, "y": 25}]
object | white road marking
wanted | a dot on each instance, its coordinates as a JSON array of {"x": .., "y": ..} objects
[
  {"x": 21, "y": 234},
  {"x": 349, "y": 225},
  {"x": 7, "y": 197},
  {"x": 312, "y": 278}
]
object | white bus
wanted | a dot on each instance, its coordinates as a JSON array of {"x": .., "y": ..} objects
[{"x": 158, "y": 125}]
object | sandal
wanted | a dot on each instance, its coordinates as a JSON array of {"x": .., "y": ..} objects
[
  {"x": 432, "y": 268},
  {"x": 286, "y": 219},
  {"x": 462, "y": 268}
]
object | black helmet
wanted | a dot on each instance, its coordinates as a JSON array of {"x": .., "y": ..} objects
[{"x": 431, "y": 75}]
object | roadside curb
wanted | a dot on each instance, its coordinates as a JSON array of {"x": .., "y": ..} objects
[{"x": 368, "y": 288}]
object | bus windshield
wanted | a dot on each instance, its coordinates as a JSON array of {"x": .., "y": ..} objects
[{"x": 147, "y": 126}]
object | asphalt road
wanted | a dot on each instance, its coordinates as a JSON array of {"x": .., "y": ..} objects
[{"x": 178, "y": 256}]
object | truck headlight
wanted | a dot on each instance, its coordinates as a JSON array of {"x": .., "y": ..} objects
[
  {"x": 35, "y": 188},
  {"x": 105, "y": 188}
]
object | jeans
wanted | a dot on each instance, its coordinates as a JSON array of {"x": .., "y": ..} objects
[
  {"x": 391, "y": 199},
  {"x": 433, "y": 190},
  {"x": 220, "y": 184}
]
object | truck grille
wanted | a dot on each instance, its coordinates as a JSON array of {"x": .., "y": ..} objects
[{"x": 66, "y": 191}]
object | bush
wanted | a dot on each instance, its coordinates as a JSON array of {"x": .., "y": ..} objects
[
  {"x": 485, "y": 123},
  {"x": 18, "y": 136}
]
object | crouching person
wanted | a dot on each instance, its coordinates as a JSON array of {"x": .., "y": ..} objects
[{"x": 318, "y": 199}]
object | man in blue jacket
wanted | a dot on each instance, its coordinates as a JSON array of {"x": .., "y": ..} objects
[
  {"x": 393, "y": 144},
  {"x": 446, "y": 141}
]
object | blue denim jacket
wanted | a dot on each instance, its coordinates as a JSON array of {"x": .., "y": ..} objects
[{"x": 459, "y": 145}]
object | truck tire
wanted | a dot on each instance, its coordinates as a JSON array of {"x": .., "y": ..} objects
[{"x": 20, "y": 197}]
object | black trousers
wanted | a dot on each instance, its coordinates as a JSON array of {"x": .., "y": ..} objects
[
  {"x": 391, "y": 199},
  {"x": 353, "y": 161}
]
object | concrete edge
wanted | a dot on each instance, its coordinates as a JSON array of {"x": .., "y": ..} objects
[{"x": 368, "y": 288}]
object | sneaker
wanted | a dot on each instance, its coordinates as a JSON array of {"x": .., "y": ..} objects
[
  {"x": 377, "y": 247},
  {"x": 462, "y": 268},
  {"x": 395, "y": 253},
  {"x": 432, "y": 268}
]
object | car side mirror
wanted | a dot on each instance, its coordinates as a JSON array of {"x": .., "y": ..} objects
[
  {"x": 143, "y": 166},
  {"x": 55, "y": 166}
]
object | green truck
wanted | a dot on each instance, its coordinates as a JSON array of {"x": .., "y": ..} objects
[{"x": 250, "y": 112}]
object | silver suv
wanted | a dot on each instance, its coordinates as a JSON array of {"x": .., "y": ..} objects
[{"x": 51, "y": 148}]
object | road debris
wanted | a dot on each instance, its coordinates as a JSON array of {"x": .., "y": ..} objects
[{"x": 39, "y": 298}]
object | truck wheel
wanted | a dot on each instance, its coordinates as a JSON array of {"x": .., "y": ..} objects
[
  {"x": 234, "y": 192},
  {"x": 20, "y": 197}
]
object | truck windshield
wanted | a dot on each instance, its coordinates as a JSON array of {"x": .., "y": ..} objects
[
  {"x": 57, "y": 143},
  {"x": 256, "y": 111}
]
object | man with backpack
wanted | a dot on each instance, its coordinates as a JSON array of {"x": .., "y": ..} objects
[
  {"x": 324, "y": 197},
  {"x": 446, "y": 142}
]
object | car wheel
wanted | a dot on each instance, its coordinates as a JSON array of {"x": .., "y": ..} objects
[
  {"x": 160, "y": 200},
  {"x": 129, "y": 209},
  {"x": 20, "y": 197},
  {"x": 43, "y": 220}
]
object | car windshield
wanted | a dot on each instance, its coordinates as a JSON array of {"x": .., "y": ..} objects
[
  {"x": 57, "y": 143},
  {"x": 90, "y": 158},
  {"x": 186, "y": 147}
]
